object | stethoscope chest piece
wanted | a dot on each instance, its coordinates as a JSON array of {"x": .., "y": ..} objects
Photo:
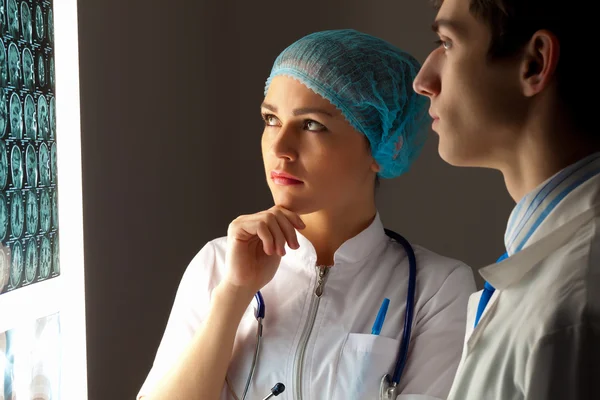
[{"x": 387, "y": 391}]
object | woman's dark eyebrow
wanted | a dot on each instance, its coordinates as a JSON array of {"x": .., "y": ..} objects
[
  {"x": 303, "y": 111},
  {"x": 299, "y": 111},
  {"x": 269, "y": 107}
]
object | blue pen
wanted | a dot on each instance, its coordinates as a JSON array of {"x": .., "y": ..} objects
[{"x": 380, "y": 317}]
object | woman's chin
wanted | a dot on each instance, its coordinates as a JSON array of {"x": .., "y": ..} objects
[{"x": 295, "y": 204}]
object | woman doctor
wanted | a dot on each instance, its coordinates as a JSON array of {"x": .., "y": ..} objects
[{"x": 339, "y": 111}]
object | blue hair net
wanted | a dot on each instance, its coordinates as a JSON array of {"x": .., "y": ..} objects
[{"x": 370, "y": 82}]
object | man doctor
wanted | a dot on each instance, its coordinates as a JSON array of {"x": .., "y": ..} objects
[{"x": 508, "y": 86}]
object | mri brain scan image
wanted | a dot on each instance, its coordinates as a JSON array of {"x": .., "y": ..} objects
[{"x": 29, "y": 175}]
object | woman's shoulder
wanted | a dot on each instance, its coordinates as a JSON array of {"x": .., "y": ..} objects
[
  {"x": 208, "y": 265},
  {"x": 437, "y": 269},
  {"x": 447, "y": 273},
  {"x": 438, "y": 262}
]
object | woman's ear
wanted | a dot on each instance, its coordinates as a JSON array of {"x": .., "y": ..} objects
[{"x": 375, "y": 167}]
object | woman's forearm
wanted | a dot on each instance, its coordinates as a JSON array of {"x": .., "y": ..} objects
[{"x": 201, "y": 370}]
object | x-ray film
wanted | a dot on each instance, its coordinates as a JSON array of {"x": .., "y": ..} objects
[
  {"x": 3, "y": 64},
  {"x": 30, "y": 359},
  {"x": 26, "y": 22},
  {"x": 29, "y": 221},
  {"x": 28, "y": 69}
]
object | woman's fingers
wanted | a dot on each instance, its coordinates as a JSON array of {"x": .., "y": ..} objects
[
  {"x": 274, "y": 227},
  {"x": 286, "y": 224},
  {"x": 292, "y": 217},
  {"x": 277, "y": 232},
  {"x": 265, "y": 236}
]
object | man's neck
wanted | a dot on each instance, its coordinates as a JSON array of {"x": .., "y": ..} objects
[{"x": 537, "y": 160}]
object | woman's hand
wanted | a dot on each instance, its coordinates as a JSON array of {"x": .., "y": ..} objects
[{"x": 255, "y": 245}]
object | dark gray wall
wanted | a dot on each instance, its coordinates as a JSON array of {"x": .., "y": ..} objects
[{"x": 170, "y": 96}]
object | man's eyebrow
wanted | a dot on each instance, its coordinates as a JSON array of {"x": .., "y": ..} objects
[{"x": 447, "y": 24}]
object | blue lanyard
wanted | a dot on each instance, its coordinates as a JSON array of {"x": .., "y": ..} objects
[{"x": 486, "y": 295}]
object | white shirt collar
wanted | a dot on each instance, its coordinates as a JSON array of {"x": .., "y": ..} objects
[
  {"x": 534, "y": 208},
  {"x": 545, "y": 218},
  {"x": 352, "y": 251}
]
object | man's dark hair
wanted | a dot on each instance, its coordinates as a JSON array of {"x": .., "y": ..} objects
[{"x": 513, "y": 22}]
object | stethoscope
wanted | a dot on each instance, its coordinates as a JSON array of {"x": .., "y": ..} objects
[{"x": 389, "y": 383}]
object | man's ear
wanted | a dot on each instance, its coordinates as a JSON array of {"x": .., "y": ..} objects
[{"x": 540, "y": 58}]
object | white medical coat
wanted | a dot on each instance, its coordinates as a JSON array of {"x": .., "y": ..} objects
[
  {"x": 539, "y": 337},
  {"x": 342, "y": 359}
]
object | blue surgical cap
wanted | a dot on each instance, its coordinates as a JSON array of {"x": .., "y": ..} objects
[{"x": 370, "y": 82}]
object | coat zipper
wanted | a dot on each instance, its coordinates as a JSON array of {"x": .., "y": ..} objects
[{"x": 312, "y": 314}]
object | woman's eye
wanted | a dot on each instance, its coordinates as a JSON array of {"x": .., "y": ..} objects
[
  {"x": 314, "y": 126},
  {"x": 270, "y": 120}
]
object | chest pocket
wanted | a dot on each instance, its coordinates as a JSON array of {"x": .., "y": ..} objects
[{"x": 364, "y": 360}]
